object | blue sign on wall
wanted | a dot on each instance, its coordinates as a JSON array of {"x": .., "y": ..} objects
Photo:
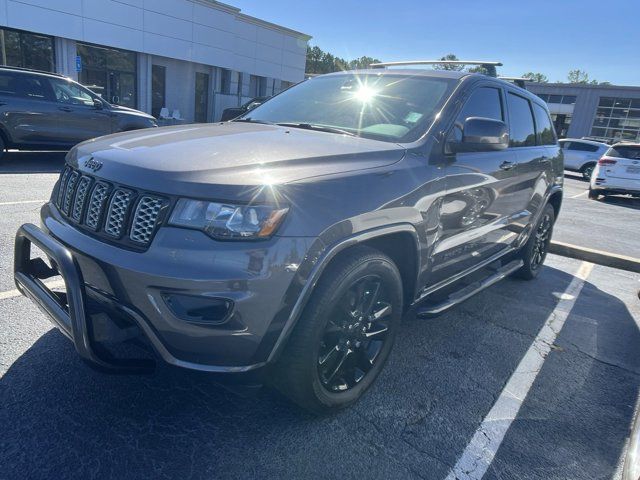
[{"x": 78, "y": 63}]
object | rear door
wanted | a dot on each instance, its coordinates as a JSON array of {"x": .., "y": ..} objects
[
  {"x": 624, "y": 162},
  {"x": 481, "y": 194},
  {"x": 578, "y": 154}
]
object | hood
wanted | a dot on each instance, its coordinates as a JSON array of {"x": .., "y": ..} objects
[
  {"x": 130, "y": 111},
  {"x": 189, "y": 158}
]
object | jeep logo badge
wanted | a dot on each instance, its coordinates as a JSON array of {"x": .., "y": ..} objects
[{"x": 93, "y": 164}]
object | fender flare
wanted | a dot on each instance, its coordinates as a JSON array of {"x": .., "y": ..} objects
[{"x": 319, "y": 267}]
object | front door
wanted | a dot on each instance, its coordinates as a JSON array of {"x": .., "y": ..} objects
[
  {"x": 78, "y": 119},
  {"x": 484, "y": 197}
]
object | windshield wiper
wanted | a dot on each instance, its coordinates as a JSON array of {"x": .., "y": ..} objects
[
  {"x": 319, "y": 128},
  {"x": 252, "y": 120}
]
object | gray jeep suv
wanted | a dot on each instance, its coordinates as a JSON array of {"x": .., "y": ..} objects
[
  {"x": 290, "y": 242},
  {"x": 40, "y": 111}
]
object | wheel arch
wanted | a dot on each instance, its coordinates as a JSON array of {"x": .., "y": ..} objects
[
  {"x": 398, "y": 241},
  {"x": 555, "y": 200}
]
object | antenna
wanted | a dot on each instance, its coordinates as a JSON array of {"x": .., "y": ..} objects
[{"x": 489, "y": 67}]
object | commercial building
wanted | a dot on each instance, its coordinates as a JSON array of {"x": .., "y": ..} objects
[
  {"x": 191, "y": 58},
  {"x": 605, "y": 112}
]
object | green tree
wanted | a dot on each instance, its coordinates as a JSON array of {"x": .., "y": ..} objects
[
  {"x": 448, "y": 66},
  {"x": 536, "y": 77},
  {"x": 362, "y": 62},
  {"x": 578, "y": 76},
  {"x": 319, "y": 61}
]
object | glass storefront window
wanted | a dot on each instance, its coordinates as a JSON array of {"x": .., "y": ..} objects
[
  {"x": 109, "y": 72},
  {"x": 26, "y": 50},
  {"x": 622, "y": 122}
]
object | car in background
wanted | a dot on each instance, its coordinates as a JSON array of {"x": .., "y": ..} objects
[
  {"x": 235, "y": 112},
  {"x": 617, "y": 172},
  {"x": 47, "y": 111},
  {"x": 582, "y": 155}
]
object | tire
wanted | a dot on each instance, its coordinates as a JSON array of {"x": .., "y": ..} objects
[
  {"x": 321, "y": 378},
  {"x": 593, "y": 194},
  {"x": 535, "y": 250},
  {"x": 587, "y": 171}
]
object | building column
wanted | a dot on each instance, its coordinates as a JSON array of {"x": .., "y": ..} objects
[
  {"x": 65, "y": 53},
  {"x": 144, "y": 82}
]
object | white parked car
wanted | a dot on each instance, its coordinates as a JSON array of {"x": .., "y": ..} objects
[
  {"x": 618, "y": 171},
  {"x": 582, "y": 155}
]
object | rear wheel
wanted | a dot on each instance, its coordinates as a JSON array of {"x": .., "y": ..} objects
[
  {"x": 345, "y": 333},
  {"x": 593, "y": 194},
  {"x": 587, "y": 171},
  {"x": 535, "y": 250}
]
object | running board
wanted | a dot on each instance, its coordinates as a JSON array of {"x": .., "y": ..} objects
[{"x": 469, "y": 290}]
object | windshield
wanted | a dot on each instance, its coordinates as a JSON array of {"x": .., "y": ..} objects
[{"x": 394, "y": 108}]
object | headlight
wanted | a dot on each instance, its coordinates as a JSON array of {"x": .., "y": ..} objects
[{"x": 227, "y": 221}]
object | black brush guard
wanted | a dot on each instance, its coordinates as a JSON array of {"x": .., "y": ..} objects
[{"x": 66, "y": 310}]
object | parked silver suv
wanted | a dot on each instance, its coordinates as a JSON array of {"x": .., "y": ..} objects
[
  {"x": 40, "y": 111},
  {"x": 291, "y": 241}
]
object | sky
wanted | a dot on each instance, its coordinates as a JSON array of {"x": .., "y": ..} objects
[{"x": 550, "y": 37}]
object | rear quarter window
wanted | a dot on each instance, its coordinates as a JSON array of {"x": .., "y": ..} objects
[
  {"x": 546, "y": 133},
  {"x": 625, "y": 151}
]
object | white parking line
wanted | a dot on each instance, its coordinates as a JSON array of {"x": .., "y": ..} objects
[
  {"x": 22, "y": 202},
  {"x": 579, "y": 194},
  {"x": 16, "y": 293},
  {"x": 479, "y": 454}
]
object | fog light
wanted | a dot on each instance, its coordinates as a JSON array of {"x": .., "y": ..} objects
[{"x": 198, "y": 309}]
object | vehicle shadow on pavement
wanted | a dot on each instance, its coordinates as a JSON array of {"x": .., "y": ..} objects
[
  {"x": 622, "y": 201},
  {"x": 61, "y": 419},
  {"x": 31, "y": 162}
]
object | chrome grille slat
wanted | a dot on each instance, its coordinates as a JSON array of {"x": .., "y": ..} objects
[
  {"x": 81, "y": 197},
  {"x": 69, "y": 190},
  {"x": 145, "y": 218},
  {"x": 62, "y": 185},
  {"x": 118, "y": 208},
  {"x": 99, "y": 197}
]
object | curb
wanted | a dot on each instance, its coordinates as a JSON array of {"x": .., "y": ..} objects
[{"x": 608, "y": 259}]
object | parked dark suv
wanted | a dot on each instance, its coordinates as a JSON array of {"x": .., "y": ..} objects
[
  {"x": 291, "y": 241},
  {"x": 48, "y": 111}
]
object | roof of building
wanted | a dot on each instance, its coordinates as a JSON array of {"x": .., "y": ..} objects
[{"x": 258, "y": 21}]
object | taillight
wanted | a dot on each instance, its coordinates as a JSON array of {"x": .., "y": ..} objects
[{"x": 607, "y": 161}]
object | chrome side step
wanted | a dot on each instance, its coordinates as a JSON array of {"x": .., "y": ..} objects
[{"x": 470, "y": 290}]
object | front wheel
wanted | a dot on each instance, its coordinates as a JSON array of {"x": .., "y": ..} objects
[
  {"x": 593, "y": 194},
  {"x": 345, "y": 333},
  {"x": 535, "y": 250}
]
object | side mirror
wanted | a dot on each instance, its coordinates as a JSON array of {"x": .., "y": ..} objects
[
  {"x": 481, "y": 134},
  {"x": 97, "y": 104}
]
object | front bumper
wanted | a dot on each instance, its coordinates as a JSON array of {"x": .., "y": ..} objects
[{"x": 261, "y": 280}]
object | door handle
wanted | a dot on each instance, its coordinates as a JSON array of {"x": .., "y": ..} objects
[
  {"x": 507, "y": 165},
  {"x": 66, "y": 109}
]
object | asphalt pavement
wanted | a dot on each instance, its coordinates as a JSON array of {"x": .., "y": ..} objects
[{"x": 60, "y": 419}]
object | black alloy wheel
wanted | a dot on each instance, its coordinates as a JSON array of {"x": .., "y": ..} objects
[
  {"x": 354, "y": 335},
  {"x": 535, "y": 251},
  {"x": 345, "y": 333}
]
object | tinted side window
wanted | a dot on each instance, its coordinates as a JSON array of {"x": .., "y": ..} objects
[
  {"x": 70, "y": 93},
  {"x": 33, "y": 88},
  {"x": 546, "y": 135},
  {"x": 583, "y": 147},
  {"x": 483, "y": 102},
  {"x": 523, "y": 133},
  {"x": 8, "y": 83}
]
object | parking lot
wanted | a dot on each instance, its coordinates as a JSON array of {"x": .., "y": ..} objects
[{"x": 444, "y": 389}]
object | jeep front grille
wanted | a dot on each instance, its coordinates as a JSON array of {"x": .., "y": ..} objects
[
  {"x": 145, "y": 218},
  {"x": 105, "y": 209}
]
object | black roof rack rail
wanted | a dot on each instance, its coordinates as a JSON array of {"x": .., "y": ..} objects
[
  {"x": 489, "y": 67},
  {"x": 22, "y": 69},
  {"x": 519, "y": 81}
]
